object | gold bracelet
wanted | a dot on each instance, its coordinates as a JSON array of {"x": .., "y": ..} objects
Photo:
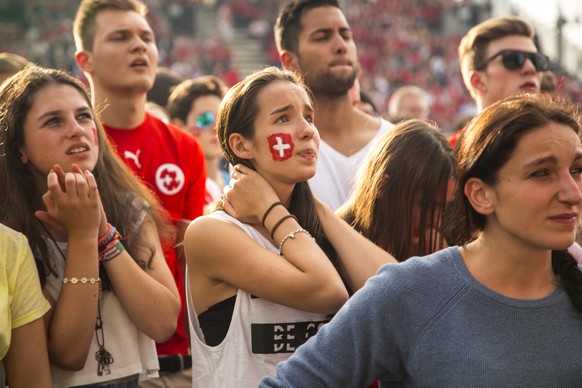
[
  {"x": 291, "y": 235},
  {"x": 82, "y": 280}
]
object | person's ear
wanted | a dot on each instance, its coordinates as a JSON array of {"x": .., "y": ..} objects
[
  {"x": 23, "y": 157},
  {"x": 480, "y": 196},
  {"x": 289, "y": 61},
  {"x": 477, "y": 81},
  {"x": 240, "y": 146},
  {"x": 84, "y": 60}
]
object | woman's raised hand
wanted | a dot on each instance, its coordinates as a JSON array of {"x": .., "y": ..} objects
[
  {"x": 248, "y": 195},
  {"x": 72, "y": 203}
]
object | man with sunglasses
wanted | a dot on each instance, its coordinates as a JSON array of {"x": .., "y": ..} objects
[
  {"x": 498, "y": 59},
  {"x": 193, "y": 105}
]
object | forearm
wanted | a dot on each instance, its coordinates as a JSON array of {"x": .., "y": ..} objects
[
  {"x": 27, "y": 362},
  {"x": 359, "y": 257},
  {"x": 152, "y": 306},
  {"x": 72, "y": 323},
  {"x": 322, "y": 282}
]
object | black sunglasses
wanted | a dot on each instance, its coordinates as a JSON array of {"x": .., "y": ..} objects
[{"x": 515, "y": 59}]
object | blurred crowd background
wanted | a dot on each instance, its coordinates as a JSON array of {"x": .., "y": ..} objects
[{"x": 412, "y": 42}]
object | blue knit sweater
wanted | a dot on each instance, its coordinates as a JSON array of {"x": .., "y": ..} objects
[{"x": 428, "y": 323}]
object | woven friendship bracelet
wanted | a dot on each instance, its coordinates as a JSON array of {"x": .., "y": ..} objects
[
  {"x": 82, "y": 280},
  {"x": 111, "y": 252},
  {"x": 291, "y": 235},
  {"x": 278, "y": 223},
  {"x": 107, "y": 236},
  {"x": 268, "y": 211}
]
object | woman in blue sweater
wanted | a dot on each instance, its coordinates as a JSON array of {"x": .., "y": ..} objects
[{"x": 504, "y": 307}]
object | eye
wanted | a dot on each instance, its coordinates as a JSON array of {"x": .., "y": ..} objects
[
  {"x": 309, "y": 118},
  {"x": 282, "y": 119},
  {"x": 119, "y": 37},
  {"x": 576, "y": 171},
  {"x": 52, "y": 121},
  {"x": 147, "y": 37},
  {"x": 347, "y": 35},
  {"x": 320, "y": 37},
  {"x": 539, "y": 174},
  {"x": 85, "y": 116}
]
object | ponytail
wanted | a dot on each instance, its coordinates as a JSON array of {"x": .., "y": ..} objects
[{"x": 570, "y": 275}]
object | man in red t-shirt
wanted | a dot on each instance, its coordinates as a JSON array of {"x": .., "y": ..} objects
[
  {"x": 499, "y": 59},
  {"x": 118, "y": 54}
]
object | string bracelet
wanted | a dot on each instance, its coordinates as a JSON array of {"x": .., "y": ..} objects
[
  {"x": 273, "y": 205},
  {"x": 111, "y": 252},
  {"x": 278, "y": 223},
  {"x": 82, "y": 280},
  {"x": 109, "y": 236},
  {"x": 291, "y": 235}
]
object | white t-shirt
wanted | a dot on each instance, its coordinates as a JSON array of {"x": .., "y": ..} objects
[{"x": 336, "y": 172}]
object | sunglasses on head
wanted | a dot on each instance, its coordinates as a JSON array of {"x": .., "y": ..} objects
[
  {"x": 515, "y": 59},
  {"x": 205, "y": 120}
]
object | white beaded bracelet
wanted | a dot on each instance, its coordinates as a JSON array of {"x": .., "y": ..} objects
[
  {"x": 82, "y": 280},
  {"x": 292, "y": 236}
]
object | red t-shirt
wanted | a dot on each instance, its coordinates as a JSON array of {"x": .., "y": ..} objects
[{"x": 171, "y": 162}]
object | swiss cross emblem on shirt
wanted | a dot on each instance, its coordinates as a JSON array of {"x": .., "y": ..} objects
[{"x": 169, "y": 178}]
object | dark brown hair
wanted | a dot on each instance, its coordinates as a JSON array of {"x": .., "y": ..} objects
[
  {"x": 184, "y": 94},
  {"x": 288, "y": 25},
  {"x": 412, "y": 162},
  {"x": 486, "y": 145},
  {"x": 237, "y": 114},
  {"x": 126, "y": 201}
]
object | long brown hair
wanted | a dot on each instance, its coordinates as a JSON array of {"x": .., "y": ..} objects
[
  {"x": 409, "y": 166},
  {"x": 237, "y": 114},
  {"x": 124, "y": 198},
  {"x": 486, "y": 145}
]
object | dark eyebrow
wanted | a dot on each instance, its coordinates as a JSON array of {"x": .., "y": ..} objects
[
  {"x": 327, "y": 30},
  {"x": 56, "y": 112},
  {"x": 550, "y": 159},
  {"x": 281, "y": 109},
  {"x": 290, "y": 106}
]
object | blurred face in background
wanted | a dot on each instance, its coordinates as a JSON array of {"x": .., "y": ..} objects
[{"x": 201, "y": 122}]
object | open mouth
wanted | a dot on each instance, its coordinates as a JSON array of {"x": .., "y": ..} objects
[
  {"x": 77, "y": 150},
  {"x": 139, "y": 63}
]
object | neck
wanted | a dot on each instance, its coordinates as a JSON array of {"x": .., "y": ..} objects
[
  {"x": 120, "y": 110},
  {"x": 513, "y": 270},
  {"x": 334, "y": 117}
]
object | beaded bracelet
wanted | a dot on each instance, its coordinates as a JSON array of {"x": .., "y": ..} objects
[
  {"x": 111, "y": 252},
  {"x": 291, "y": 235},
  {"x": 278, "y": 223},
  {"x": 268, "y": 211},
  {"x": 82, "y": 280}
]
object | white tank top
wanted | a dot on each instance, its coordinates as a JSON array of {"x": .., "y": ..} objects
[{"x": 261, "y": 334}]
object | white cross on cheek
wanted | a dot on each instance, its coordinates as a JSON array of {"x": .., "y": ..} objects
[{"x": 281, "y": 147}]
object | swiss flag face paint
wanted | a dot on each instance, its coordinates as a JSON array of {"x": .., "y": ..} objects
[{"x": 281, "y": 146}]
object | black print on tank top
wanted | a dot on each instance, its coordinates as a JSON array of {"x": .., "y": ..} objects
[{"x": 270, "y": 338}]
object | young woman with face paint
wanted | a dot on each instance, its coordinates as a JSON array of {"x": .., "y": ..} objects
[
  {"x": 266, "y": 273},
  {"x": 64, "y": 188}
]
